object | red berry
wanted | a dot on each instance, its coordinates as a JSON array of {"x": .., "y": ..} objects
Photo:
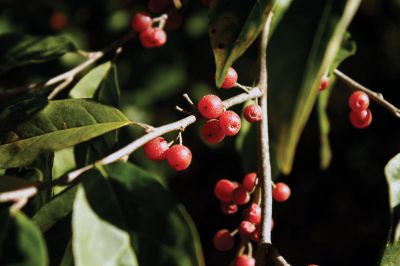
[
  {"x": 212, "y": 131},
  {"x": 158, "y": 6},
  {"x": 360, "y": 119},
  {"x": 252, "y": 113},
  {"x": 249, "y": 181},
  {"x": 153, "y": 37},
  {"x": 210, "y": 106},
  {"x": 230, "y": 79},
  {"x": 179, "y": 157},
  {"x": 358, "y": 101},
  {"x": 324, "y": 83},
  {"x": 240, "y": 196},
  {"x": 252, "y": 214},
  {"x": 141, "y": 22},
  {"x": 245, "y": 260},
  {"x": 224, "y": 190},
  {"x": 228, "y": 207},
  {"x": 230, "y": 123},
  {"x": 281, "y": 192},
  {"x": 223, "y": 240},
  {"x": 246, "y": 229},
  {"x": 58, "y": 21},
  {"x": 156, "y": 149}
]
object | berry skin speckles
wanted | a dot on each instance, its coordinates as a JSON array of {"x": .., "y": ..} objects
[
  {"x": 230, "y": 123},
  {"x": 179, "y": 157},
  {"x": 281, "y": 192},
  {"x": 210, "y": 106},
  {"x": 252, "y": 113},
  {"x": 358, "y": 101},
  {"x": 223, "y": 240},
  {"x": 230, "y": 79},
  {"x": 156, "y": 149},
  {"x": 223, "y": 190},
  {"x": 212, "y": 131}
]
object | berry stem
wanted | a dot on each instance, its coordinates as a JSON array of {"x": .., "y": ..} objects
[
  {"x": 187, "y": 98},
  {"x": 245, "y": 88},
  {"x": 376, "y": 96},
  {"x": 180, "y": 109},
  {"x": 249, "y": 249}
]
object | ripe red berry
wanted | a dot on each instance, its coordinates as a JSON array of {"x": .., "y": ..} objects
[
  {"x": 252, "y": 213},
  {"x": 252, "y": 113},
  {"x": 360, "y": 119},
  {"x": 358, "y": 101},
  {"x": 230, "y": 79},
  {"x": 324, "y": 83},
  {"x": 249, "y": 181},
  {"x": 179, "y": 157},
  {"x": 223, "y": 240},
  {"x": 141, "y": 22},
  {"x": 210, "y": 106},
  {"x": 58, "y": 21},
  {"x": 228, "y": 207},
  {"x": 281, "y": 192},
  {"x": 224, "y": 190},
  {"x": 212, "y": 131},
  {"x": 240, "y": 196},
  {"x": 153, "y": 37},
  {"x": 246, "y": 229},
  {"x": 245, "y": 260},
  {"x": 156, "y": 149},
  {"x": 230, "y": 123}
]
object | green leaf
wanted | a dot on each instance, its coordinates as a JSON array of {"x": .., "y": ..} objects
[
  {"x": 56, "y": 209},
  {"x": 18, "y": 49},
  {"x": 68, "y": 258},
  {"x": 391, "y": 257},
  {"x": 347, "y": 49},
  {"x": 317, "y": 30},
  {"x": 61, "y": 124},
  {"x": 136, "y": 202},
  {"x": 102, "y": 85},
  {"x": 324, "y": 128},
  {"x": 234, "y": 25},
  {"x": 93, "y": 232},
  {"x": 392, "y": 172},
  {"x": 25, "y": 244}
]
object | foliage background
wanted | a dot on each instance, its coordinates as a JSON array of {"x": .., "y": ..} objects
[{"x": 335, "y": 217}]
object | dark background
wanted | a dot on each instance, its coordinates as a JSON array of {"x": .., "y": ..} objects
[{"x": 335, "y": 217}]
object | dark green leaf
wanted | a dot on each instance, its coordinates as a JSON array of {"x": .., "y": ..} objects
[
  {"x": 18, "y": 49},
  {"x": 138, "y": 203},
  {"x": 391, "y": 256},
  {"x": 348, "y": 48},
  {"x": 56, "y": 209},
  {"x": 25, "y": 244},
  {"x": 392, "y": 172},
  {"x": 317, "y": 30},
  {"x": 61, "y": 124},
  {"x": 234, "y": 25}
]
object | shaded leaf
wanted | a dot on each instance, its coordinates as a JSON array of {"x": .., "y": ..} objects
[
  {"x": 17, "y": 49},
  {"x": 348, "y": 48},
  {"x": 68, "y": 258},
  {"x": 25, "y": 244},
  {"x": 61, "y": 124},
  {"x": 133, "y": 205},
  {"x": 54, "y": 210},
  {"x": 91, "y": 232},
  {"x": 391, "y": 257},
  {"x": 392, "y": 172},
  {"x": 317, "y": 29},
  {"x": 234, "y": 25}
]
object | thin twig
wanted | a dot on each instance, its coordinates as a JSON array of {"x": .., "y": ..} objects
[
  {"x": 66, "y": 78},
  {"x": 376, "y": 96},
  {"x": 122, "y": 153},
  {"x": 187, "y": 98},
  {"x": 264, "y": 164},
  {"x": 180, "y": 109}
]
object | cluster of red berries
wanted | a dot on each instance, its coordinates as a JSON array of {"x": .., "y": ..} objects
[
  {"x": 223, "y": 122},
  {"x": 149, "y": 36},
  {"x": 231, "y": 194},
  {"x": 360, "y": 116},
  {"x": 178, "y": 156}
]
